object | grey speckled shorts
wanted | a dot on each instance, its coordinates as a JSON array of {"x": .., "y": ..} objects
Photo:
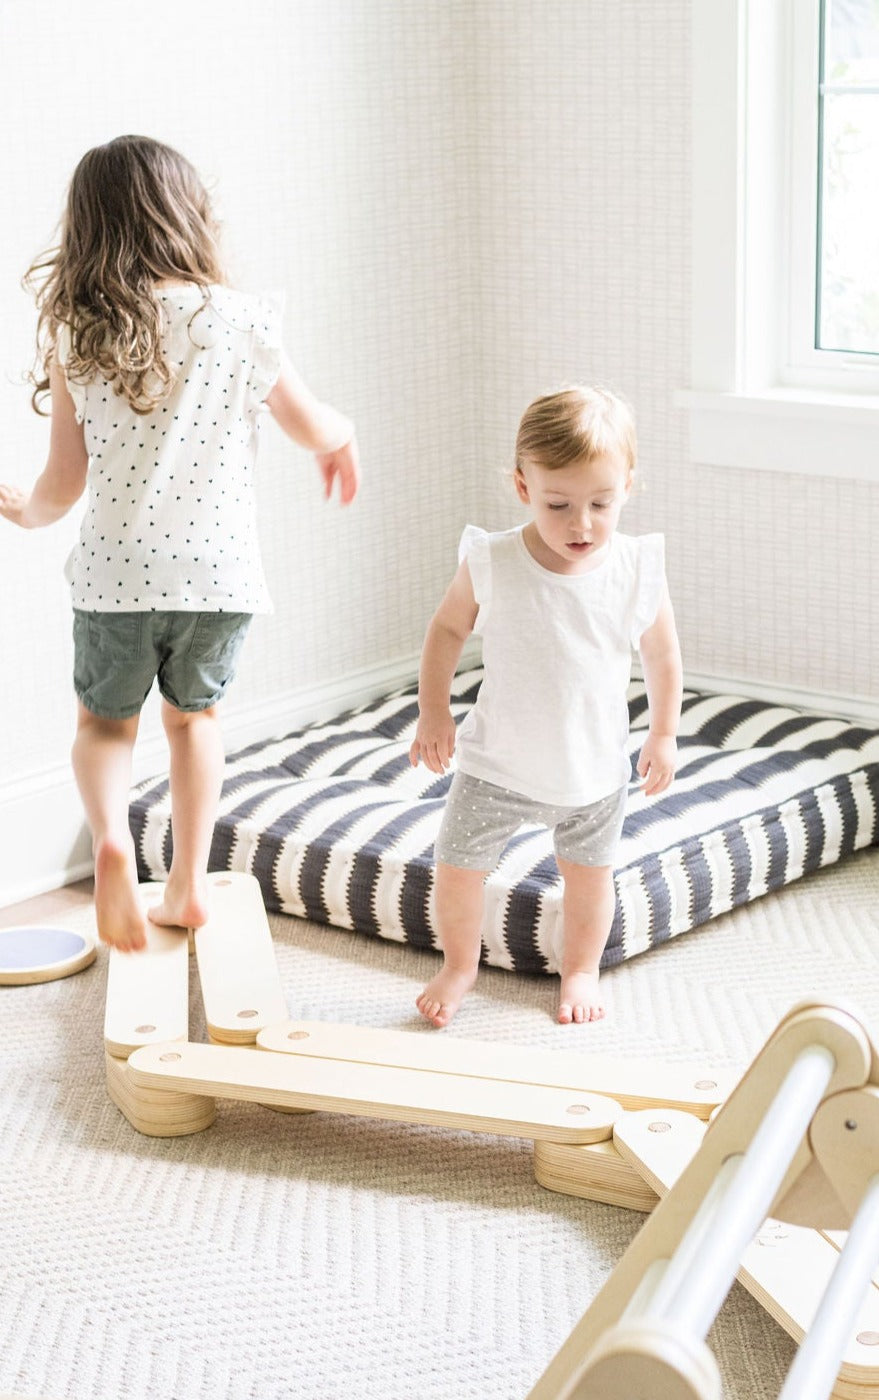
[
  {"x": 480, "y": 818},
  {"x": 118, "y": 655}
]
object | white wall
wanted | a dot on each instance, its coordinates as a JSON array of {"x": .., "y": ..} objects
[
  {"x": 336, "y": 133},
  {"x": 582, "y": 140},
  {"x": 467, "y": 202}
]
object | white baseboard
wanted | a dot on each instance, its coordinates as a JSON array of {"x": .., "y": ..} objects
[
  {"x": 862, "y": 708},
  {"x": 44, "y": 843}
]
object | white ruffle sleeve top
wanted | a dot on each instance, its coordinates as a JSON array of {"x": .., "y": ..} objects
[
  {"x": 551, "y": 717},
  {"x": 170, "y": 519}
]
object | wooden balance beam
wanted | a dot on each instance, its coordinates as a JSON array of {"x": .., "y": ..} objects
[
  {"x": 620, "y": 1132},
  {"x": 167, "y": 1085}
]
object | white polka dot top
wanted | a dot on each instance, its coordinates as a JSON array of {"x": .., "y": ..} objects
[{"x": 170, "y": 520}]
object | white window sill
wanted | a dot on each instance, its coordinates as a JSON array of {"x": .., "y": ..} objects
[{"x": 786, "y": 430}]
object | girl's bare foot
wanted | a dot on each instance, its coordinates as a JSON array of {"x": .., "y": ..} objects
[
  {"x": 117, "y": 906},
  {"x": 580, "y": 998},
  {"x": 443, "y": 995},
  {"x": 187, "y": 908}
]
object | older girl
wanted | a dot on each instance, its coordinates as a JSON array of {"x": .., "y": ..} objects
[{"x": 157, "y": 373}]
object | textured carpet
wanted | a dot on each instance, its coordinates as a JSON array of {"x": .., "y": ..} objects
[{"x": 331, "y": 1258}]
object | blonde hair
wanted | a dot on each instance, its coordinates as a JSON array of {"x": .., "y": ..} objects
[
  {"x": 136, "y": 214},
  {"x": 576, "y": 424}
]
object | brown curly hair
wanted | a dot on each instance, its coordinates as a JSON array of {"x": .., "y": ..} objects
[{"x": 137, "y": 214}]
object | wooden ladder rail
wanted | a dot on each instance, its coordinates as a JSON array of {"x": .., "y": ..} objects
[{"x": 644, "y": 1333}]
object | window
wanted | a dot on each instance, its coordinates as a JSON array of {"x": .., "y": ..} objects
[
  {"x": 847, "y": 266},
  {"x": 785, "y": 371}
]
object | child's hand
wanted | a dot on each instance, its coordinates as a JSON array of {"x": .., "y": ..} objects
[
  {"x": 434, "y": 742},
  {"x": 12, "y": 503},
  {"x": 344, "y": 465},
  {"x": 657, "y": 762}
]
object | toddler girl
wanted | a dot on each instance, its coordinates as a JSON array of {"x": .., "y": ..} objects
[
  {"x": 157, "y": 373},
  {"x": 560, "y": 604}
]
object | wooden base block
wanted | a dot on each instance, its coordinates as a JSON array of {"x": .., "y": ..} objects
[
  {"x": 595, "y": 1172},
  {"x": 157, "y": 1113}
]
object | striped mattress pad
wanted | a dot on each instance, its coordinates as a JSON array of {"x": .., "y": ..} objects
[{"x": 338, "y": 827}]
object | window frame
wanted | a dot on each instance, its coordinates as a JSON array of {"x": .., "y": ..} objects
[{"x": 760, "y": 394}]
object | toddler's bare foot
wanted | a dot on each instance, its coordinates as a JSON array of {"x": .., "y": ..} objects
[
  {"x": 580, "y": 999},
  {"x": 117, "y": 907},
  {"x": 443, "y": 995},
  {"x": 187, "y": 908}
]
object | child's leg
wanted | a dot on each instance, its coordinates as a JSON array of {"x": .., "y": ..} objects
[
  {"x": 588, "y": 910},
  {"x": 102, "y": 764},
  {"x": 197, "y": 762},
  {"x": 459, "y": 901}
]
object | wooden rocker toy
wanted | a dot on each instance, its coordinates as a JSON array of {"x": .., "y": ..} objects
[{"x": 797, "y": 1140}]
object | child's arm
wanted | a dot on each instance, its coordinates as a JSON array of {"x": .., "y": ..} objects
[
  {"x": 319, "y": 428},
  {"x": 661, "y": 660},
  {"x": 450, "y": 626},
  {"x": 63, "y": 478}
]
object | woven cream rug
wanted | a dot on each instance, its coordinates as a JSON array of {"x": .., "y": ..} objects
[{"x": 330, "y": 1258}]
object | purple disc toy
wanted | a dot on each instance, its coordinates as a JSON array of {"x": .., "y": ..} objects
[{"x": 40, "y": 953}]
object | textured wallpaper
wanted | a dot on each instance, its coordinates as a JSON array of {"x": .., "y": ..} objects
[
  {"x": 582, "y": 171},
  {"x": 336, "y": 132},
  {"x": 465, "y": 202}
]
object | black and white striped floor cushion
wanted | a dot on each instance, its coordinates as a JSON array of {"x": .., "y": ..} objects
[{"x": 338, "y": 827}]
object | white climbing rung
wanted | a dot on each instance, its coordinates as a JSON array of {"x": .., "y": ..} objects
[
  {"x": 841, "y": 1310},
  {"x": 705, "y": 1262}
]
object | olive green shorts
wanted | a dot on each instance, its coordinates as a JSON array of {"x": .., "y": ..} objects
[{"x": 118, "y": 655}]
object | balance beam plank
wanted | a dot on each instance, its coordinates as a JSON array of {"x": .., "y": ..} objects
[
  {"x": 376, "y": 1091},
  {"x": 240, "y": 984},
  {"x": 635, "y": 1084},
  {"x": 148, "y": 992}
]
